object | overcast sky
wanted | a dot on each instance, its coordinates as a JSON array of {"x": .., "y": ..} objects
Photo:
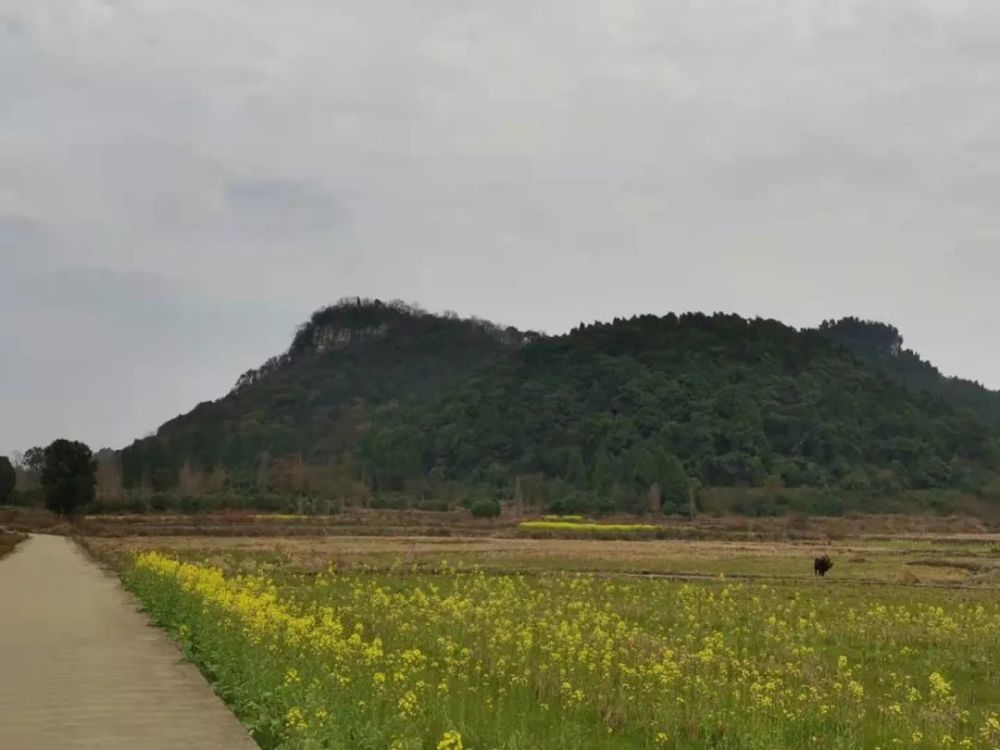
[{"x": 182, "y": 182}]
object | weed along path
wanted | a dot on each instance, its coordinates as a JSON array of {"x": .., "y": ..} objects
[{"x": 80, "y": 667}]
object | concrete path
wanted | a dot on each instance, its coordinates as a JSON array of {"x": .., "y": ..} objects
[{"x": 80, "y": 667}]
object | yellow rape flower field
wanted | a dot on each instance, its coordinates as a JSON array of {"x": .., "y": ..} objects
[{"x": 459, "y": 659}]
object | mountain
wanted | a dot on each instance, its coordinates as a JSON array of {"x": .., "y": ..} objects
[
  {"x": 386, "y": 402},
  {"x": 881, "y": 346},
  {"x": 613, "y": 410},
  {"x": 314, "y": 401}
]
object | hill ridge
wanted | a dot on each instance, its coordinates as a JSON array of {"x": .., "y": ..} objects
[{"x": 373, "y": 398}]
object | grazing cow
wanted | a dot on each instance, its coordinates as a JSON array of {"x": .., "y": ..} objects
[{"x": 821, "y": 565}]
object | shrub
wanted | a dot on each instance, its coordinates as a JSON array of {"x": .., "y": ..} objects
[
  {"x": 193, "y": 504},
  {"x": 159, "y": 502},
  {"x": 118, "y": 505},
  {"x": 573, "y": 503},
  {"x": 438, "y": 506},
  {"x": 390, "y": 502},
  {"x": 485, "y": 509}
]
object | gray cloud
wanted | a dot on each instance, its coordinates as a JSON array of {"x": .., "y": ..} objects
[
  {"x": 169, "y": 170},
  {"x": 17, "y": 234},
  {"x": 282, "y": 208},
  {"x": 98, "y": 352}
]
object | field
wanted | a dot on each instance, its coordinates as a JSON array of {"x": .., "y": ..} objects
[{"x": 510, "y": 642}]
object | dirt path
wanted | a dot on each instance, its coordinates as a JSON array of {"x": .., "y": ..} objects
[{"x": 80, "y": 667}]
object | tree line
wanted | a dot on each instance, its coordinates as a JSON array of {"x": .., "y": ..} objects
[
  {"x": 382, "y": 404},
  {"x": 633, "y": 412},
  {"x": 65, "y": 471}
]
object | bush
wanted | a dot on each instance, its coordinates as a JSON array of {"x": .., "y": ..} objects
[
  {"x": 828, "y": 505},
  {"x": 390, "y": 502},
  {"x": 159, "y": 503},
  {"x": 193, "y": 504},
  {"x": 573, "y": 504},
  {"x": 118, "y": 505},
  {"x": 485, "y": 509},
  {"x": 438, "y": 506},
  {"x": 34, "y": 498}
]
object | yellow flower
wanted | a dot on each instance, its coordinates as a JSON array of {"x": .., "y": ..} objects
[
  {"x": 295, "y": 719},
  {"x": 451, "y": 740}
]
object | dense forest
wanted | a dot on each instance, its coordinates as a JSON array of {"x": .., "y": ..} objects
[
  {"x": 645, "y": 407},
  {"x": 385, "y": 403},
  {"x": 881, "y": 346},
  {"x": 311, "y": 405}
]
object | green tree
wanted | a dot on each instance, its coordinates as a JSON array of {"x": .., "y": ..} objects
[
  {"x": 34, "y": 459},
  {"x": 576, "y": 473},
  {"x": 393, "y": 456},
  {"x": 485, "y": 508},
  {"x": 69, "y": 476},
  {"x": 8, "y": 479},
  {"x": 602, "y": 477},
  {"x": 674, "y": 484}
]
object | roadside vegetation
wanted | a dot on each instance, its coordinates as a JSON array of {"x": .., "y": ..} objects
[{"x": 9, "y": 540}]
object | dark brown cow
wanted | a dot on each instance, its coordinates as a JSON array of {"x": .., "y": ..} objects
[{"x": 821, "y": 565}]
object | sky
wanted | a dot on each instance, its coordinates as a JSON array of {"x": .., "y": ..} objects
[{"x": 182, "y": 182}]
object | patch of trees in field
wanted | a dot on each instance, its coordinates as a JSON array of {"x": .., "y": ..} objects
[{"x": 63, "y": 475}]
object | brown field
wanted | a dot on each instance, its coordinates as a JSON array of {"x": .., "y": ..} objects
[
  {"x": 885, "y": 549},
  {"x": 362, "y": 522},
  {"x": 972, "y": 560}
]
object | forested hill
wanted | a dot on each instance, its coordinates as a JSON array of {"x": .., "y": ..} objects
[
  {"x": 612, "y": 410},
  {"x": 881, "y": 346},
  {"x": 313, "y": 401},
  {"x": 376, "y": 399}
]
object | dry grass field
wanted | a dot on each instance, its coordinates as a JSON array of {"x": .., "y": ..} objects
[
  {"x": 895, "y": 550},
  {"x": 969, "y": 562}
]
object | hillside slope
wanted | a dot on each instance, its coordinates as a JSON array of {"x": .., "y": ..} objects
[
  {"x": 881, "y": 346},
  {"x": 613, "y": 410},
  {"x": 385, "y": 400},
  {"x": 314, "y": 401}
]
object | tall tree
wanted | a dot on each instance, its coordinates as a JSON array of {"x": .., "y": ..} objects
[
  {"x": 33, "y": 460},
  {"x": 69, "y": 476},
  {"x": 8, "y": 479},
  {"x": 675, "y": 484}
]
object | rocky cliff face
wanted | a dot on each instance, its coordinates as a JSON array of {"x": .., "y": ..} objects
[{"x": 337, "y": 338}]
